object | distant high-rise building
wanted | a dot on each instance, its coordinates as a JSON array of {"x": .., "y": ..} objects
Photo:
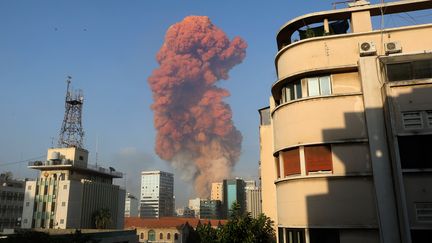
[
  {"x": 250, "y": 184},
  {"x": 11, "y": 201},
  {"x": 131, "y": 206},
  {"x": 217, "y": 191},
  {"x": 253, "y": 201},
  {"x": 233, "y": 191},
  {"x": 157, "y": 194},
  {"x": 69, "y": 192}
]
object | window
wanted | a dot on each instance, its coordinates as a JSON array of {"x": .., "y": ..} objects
[
  {"x": 64, "y": 187},
  {"x": 151, "y": 235},
  {"x": 415, "y": 151},
  {"x": 25, "y": 221},
  {"x": 420, "y": 69},
  {"x": 142, "y": 235},
  {"x": 161, "y": 236},
  {"x": 319, "y": 86},
  {"x": 318, "y": 158},
  {"x": 63, "y": 204},
  {"x": 168, "y": 236},
  {"x": 291, "y": 160},
  {"x": 27, "y": 204},
  {"x": 81, "y": 157},
  {"x": 291, "y": 91},
  {"x": 61, "y": 221},
  {"x": 28, "y": 187},
  {"x": 175, "y": 236},
  {"x": 291, "y": 235}
]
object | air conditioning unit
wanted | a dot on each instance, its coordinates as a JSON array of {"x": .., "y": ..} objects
[
  {"x": 392, "y": 47},
  {"x": 367, "y": 48}
]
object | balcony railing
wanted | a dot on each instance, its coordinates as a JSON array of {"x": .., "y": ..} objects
[{"x": 110, "y": 171}]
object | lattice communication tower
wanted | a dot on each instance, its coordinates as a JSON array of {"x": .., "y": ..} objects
[{"x": 72, "y": 133}]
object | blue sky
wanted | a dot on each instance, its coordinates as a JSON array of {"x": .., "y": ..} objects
[{"x": 109, "y": 49}]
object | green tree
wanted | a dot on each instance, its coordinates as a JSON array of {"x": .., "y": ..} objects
[
  {"x": 102, "y": 218},
  {"x": 207, "y": 233},
  {"x": 240, "y": 228}
]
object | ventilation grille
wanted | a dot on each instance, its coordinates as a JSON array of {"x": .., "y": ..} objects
[
  {"x": 429, "y": 118},
  {"x": 412, "y": 120},
  {"x": 424, "y": 212}
]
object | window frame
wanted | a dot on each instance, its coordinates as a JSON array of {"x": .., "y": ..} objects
[
  {"x": 313, "y": 154},
  {"x": 291, "y": 161},
  {"x": 319, "y": 83}
]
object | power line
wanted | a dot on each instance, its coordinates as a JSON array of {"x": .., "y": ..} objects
[{"x": 22, "y": 161}]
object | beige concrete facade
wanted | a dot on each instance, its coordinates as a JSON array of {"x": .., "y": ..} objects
[
  {"x": 267, "y": 167},
  {"x": 69, "y": 191},
  {"x": 344, "y": 140}
]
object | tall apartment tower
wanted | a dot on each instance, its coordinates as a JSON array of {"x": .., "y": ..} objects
[
  {"x": 253, "y": 198},
  {"x": 217, "y": 191},
  {"x": 69, "y": 191},
  {"x": 234, "y": 191},
  {"x": 347, "y": 136},
  {"x": 157, "y": 194}
]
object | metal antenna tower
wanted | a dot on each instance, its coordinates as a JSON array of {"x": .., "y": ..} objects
[{"x": 72, "y": 133}]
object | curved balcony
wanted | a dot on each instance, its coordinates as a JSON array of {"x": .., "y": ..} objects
[
  {"x": 319, "y": 119},
  {"x": 341, "y": 52}
]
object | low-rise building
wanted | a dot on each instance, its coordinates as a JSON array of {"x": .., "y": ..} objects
[
  {"x": 206, "y": 208},
  {"x": 11, "y": 201},
  {"x": 185, "y": 212},
  {"x": 131, "y": 205},
  {"x": 166, "y": 230}
]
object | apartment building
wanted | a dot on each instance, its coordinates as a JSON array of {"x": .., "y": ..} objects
[
  {"x": 345, "y": 141},
  {"x": 69, "y": 192}
]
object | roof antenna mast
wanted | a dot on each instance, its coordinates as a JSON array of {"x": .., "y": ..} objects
[{"x": 71, "y": 132}]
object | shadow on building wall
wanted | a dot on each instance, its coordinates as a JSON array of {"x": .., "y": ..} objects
[{"x": 347, "y": 210}]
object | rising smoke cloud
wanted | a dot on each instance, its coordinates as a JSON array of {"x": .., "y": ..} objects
[{"x": 195, "y": 131}]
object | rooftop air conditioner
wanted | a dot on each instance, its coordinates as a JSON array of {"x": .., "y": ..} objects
[
  {"x": 367, "y": 48},
  {"x": 392, "y": 47}
]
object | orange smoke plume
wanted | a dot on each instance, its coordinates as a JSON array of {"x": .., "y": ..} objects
[{"x": 195, "y": 131}]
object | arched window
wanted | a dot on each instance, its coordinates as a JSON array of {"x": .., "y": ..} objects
[
  {"x": 161, "y": 236},
  {"x": 168, "y": 236},
  {"x": 151, "y": 235},
  {"x": 175, "y": 236},
  {"x": 142, "y": 235}
]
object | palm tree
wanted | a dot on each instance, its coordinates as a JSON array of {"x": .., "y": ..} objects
[{"x": 102, "y": 218}]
